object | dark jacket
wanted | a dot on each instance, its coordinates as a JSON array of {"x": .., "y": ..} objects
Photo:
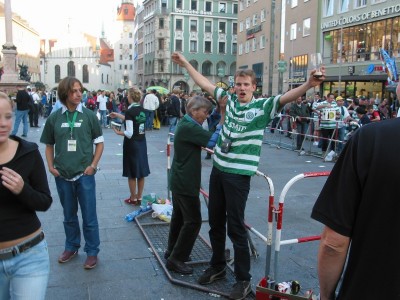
[
  {"x": 303, "y": 111},
  {"x": 17, "y": 212},
  {"x": 23, "y": 99}
]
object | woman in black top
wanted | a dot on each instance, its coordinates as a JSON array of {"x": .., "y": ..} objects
[
  {"x": 23, "y": 191},
  {"x": 135, "y": 162}
]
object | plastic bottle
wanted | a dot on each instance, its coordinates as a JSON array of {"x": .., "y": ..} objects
[{"x": 131, "y": 216}]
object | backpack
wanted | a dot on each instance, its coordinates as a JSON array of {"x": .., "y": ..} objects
[{"x": 91, "y": 104}]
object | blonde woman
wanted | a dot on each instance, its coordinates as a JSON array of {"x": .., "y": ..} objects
[
  {"x": 23, "y": 191},
  {"x": 135, "y": 161}
]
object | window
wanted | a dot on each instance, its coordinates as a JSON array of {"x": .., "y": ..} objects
[
  {"x": 160, "y": 44},
  {"x": 343, "y": 6},
  {"x": 71, "y": 68},
  {"x": 178, "y": 45},
  {"x": 222, "y": 27},
  {"x": 293, "y": 4},
  {"x": 207, "y": 46},
  {"x": 193, "y": 25},
  {"x": 221, "y": 47},
  {"x": 160, "y": 65},
  {"x": 328, "y": 8},
  {"x": 234, "y": 48},
  {"x": 235, "y": 8},
  {"x": 178, "y": 24},
  {"x": 161, "y": 23},
  {"x": 360, "y": 3},
  {"x": 222, "y": 7},
  {"x": 234, "y": 28},
  {"x": 255, "y": 19},
  {"x": 293, "y": 29},
  {"x": 120, "y": 46},
  {"x": 247, "y": 3},
  {"x": 306, "y": 27},
  {"x": 179, "y": 4},
  {"x": 193, "y": 5},
  {"x": 262, "y": 15},
  {"x": 193, "y": 46},
  {"x": 241, "y": 5},
  {"x": 208, "y": 6},
  {"x": 206, "y": 69},
  {"x": 120, "y": 57},
  {"x": 247, "y": 22},
  {"x": 207, "y": 26},
  {"x": 130, "y": 57},
  {"x": 57, "y": 74},
  {"x": 241, "y": 26},
  {"x": 254, "y": 46},
  {"x": 240, "y": 49},
  {"x": 247, "y": 47},
  {"x": 262, "y": 42}
]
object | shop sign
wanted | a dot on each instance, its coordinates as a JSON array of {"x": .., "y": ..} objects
[{"x": 193, "y": 12}]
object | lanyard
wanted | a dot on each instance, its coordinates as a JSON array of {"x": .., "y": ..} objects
[{"x": 71, "y": 123}]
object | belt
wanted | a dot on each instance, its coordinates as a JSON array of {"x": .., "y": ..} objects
[{"x": 17, "y": 249}]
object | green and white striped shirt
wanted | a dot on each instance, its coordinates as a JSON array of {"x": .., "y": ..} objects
[{"x": 244, "y": 125}]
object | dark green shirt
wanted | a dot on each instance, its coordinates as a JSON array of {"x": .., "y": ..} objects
[
  {"x": 57, "y": 132},
  {"x": 186, "y": 166}
]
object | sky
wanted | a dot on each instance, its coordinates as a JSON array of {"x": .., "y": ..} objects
[{"x": 50, "y": 18}]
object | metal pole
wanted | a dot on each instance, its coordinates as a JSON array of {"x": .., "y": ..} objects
[{"x": 292, "y": 62}]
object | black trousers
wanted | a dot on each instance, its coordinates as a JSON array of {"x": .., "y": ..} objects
[
  {"x": 227, "y": 203},
  {"x": 185, "y": 226},
  {"x": 327, "y": 135}
]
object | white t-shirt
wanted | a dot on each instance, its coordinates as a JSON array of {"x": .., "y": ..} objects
[{"x": 102, "y": 102}]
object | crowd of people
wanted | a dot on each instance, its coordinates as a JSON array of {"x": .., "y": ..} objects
[{"x": 231, "y": 122}]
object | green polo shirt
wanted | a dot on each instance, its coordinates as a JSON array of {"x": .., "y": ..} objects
[{"x": 57, "y": 132}]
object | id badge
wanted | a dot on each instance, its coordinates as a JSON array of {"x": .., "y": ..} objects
[{"x": 71, "y": 145}]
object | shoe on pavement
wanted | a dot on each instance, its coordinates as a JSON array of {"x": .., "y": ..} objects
[
  {"x": 67, "y": 256},
  {"x": 178, "y": 266},
  {"x": 212, "y": 274},
  {"x": 91, "y": 262},
  {"x": 240, "y": 290},
  {"x": 24, "y": 135}
]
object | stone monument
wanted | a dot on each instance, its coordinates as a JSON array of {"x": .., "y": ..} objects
[{"x": 10, "y": 83}]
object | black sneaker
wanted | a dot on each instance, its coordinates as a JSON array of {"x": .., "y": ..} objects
[
  {"x": 212, "y": 274},
  {"x": 240, "y": 290}
]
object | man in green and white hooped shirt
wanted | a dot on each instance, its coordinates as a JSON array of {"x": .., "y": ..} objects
[
  {"x": 236, "y": 159},
  {"x": 328, "y": 124}
]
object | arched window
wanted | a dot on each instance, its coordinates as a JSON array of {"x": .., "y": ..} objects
[
  {"x": 194, "y": 64},
  {"x": 57, "y": 74},
  {"x": 85, "y": 74},
  {"x": 206, "y": 70},
  {"x": 71, "y": 69},
  {"x": 232, "y": 69}
]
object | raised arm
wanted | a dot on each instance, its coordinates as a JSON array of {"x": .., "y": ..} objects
[
  {"x": 293, "y": 94},
  {"x": 200, "y": 80}
]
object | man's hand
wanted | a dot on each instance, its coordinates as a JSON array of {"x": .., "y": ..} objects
[
  {"x": 312, "y": 81},
  {"x": 179, "y": 59}
]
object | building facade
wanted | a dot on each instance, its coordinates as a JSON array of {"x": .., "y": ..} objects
[
  {"x": 300, "y": 38},
  {"x": 205, "y": 31},
  {"x": 259, "y": 42},
  {"x": 353, "y": 32}
]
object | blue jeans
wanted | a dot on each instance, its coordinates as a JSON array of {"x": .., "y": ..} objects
[
  {"x": 21, "y": 115},
  {"x": 149, "y": 118},
  {"x": 173, "y": 121},
  {"x": 341, "y": 132},
  {"x": 103, "y": 117},
  {"x": 25, "y": 276},
  {"x": 82, "y": 191}
]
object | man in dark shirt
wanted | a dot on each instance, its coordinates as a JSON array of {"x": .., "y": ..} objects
[
  {"x": 360, "y": 209},
  {"x": 21, "y": 112}
]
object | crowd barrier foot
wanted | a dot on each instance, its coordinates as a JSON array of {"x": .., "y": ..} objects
[{"x": 156, "y": 234}]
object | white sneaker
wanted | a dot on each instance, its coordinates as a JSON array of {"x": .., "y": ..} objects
[{"x": 315, "y": 143}]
